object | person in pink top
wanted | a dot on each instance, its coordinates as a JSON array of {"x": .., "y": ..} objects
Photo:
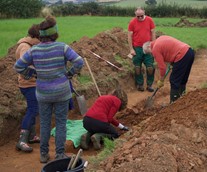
[
  {"x": 98, "y": 119},
  {"x": 140, "y": 30},
  {"x": 167, "y": 49},
  {"x": 28, "y": 89}
]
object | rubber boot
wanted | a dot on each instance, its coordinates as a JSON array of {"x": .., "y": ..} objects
[
  {"x": 32, "y": 136},
  {"x": 85, "y": 140},
  {"x": 182, "y": 90},
  {"x": 22, "y": 143},
  {"x": 97, "y": 138},
  {"x": 174, "y": 95}
]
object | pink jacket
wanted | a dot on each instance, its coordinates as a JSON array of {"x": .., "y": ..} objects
[
  {"x": 25, "y": 44},
  {"x": 166, "y": 49}
]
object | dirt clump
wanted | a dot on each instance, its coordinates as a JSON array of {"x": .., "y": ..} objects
[{"x": 184, "y": 22}]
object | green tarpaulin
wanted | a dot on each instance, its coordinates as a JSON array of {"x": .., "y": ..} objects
[{"x": 74, "y": 131}]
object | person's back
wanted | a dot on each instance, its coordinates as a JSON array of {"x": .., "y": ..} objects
[{"x": 49, "y": 61}]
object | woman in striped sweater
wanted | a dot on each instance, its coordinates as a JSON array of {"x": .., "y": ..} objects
[{"x": 52, "y": 90}]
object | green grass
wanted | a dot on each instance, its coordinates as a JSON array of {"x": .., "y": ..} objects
[
  {"x": 136, "y": 3},
  {"x": 108, "y": 149},
  {"x": 72, "y": 28}
]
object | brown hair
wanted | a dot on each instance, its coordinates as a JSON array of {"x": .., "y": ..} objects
[
  {"x": 33, "y": 31},
  {"x": 49, "y": 22},
  {"x": 121, "y": 94}
]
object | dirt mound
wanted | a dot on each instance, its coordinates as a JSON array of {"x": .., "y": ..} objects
[
  {"x": 184, "y": 22},
  {"x": 113, "y": 48},
  {"x": 173, "y": 138}
]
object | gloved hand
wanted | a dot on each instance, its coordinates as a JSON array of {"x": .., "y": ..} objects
[
  {"x": 29, "y": 73},
  {"x": 69, "y": 75},
  {"x": 160, "y": 84},
  {"x": 125, "y": 128}
]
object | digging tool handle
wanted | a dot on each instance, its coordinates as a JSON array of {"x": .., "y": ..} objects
[
  {"x": 71, "y": 162},
  {"x": 76, "y": 159},
  {"x": 104, "y": 60},
  {"x": 76, "y": 93},
  {"x": 168, "y": 70},
  {"x": 99, "y": 93}
]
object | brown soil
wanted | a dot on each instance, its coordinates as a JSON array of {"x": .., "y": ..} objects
[{"x": 161, "y": 138}]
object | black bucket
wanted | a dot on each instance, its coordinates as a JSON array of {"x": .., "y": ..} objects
[{"x": 61, "y": 165}]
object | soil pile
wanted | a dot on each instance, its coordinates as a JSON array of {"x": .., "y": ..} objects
[{"x": 173, "y": 139}]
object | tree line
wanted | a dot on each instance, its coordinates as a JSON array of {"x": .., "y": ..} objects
[{"x": 33, "y": 8}]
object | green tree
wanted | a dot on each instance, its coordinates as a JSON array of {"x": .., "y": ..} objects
[{"x": 20, "y": 8}]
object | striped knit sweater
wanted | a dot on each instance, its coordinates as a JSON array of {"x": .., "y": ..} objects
[{"x": 49, "y": 60}]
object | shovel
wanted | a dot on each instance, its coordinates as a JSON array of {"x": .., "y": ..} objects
[
  {"x": 80, "y": 99},
  {"x": 81, "y": 102},
  {"x": 150, "y": 100}
]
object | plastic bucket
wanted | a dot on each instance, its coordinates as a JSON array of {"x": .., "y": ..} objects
[{"x": 61, "y": 165}]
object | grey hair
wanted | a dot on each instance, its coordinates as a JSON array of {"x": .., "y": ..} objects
[{"x": 145, "y": 47}]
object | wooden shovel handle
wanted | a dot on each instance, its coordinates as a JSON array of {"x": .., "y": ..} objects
[{"x": 99, "y": 93}]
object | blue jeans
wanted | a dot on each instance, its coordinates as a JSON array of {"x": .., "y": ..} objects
[
  {"x": 32, "y": 108},
  {"x": 61, "y": 111}
]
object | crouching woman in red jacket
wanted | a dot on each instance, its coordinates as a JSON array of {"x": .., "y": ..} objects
[{"x": 98, "y": 119}]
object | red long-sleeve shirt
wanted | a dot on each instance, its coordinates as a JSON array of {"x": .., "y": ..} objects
[
  {"x": 104, "y": 109},
  {"x": 167, "y": 49}
]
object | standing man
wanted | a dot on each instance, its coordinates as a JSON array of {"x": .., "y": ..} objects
[
  {"x": 140, "y": 30},
  {"x": 166, "y": 49}
]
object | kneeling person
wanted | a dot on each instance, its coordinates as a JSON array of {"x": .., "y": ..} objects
[{"x": 98, "y": 119}]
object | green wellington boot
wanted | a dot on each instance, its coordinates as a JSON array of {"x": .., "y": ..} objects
[
  {"x": 97, "y": 138},
  {"x": 33, "y": 138},
  {"x": 23, "y": 142},
  {"x": 85, "y": 140}
]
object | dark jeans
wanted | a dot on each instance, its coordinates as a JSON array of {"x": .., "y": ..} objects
[
  {"x": 95, "y": 126},
  {"x": 61, "y": 111},
  {"x": 32, "y": 107},
  {"x": 181, "y": 70}
]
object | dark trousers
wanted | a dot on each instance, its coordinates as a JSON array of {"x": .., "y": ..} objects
[
  {"x": 95, "y": 126},
  {"x": 181, "y": 70},
  {"x": 32, "y": 107}
]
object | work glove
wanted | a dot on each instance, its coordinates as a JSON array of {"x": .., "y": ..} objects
[
  {"x": 160, "y": 84},
  {"x": 69, "y": 75},
  {"x": 29, "y": 73},
  {"x": 125, "y": 128}
]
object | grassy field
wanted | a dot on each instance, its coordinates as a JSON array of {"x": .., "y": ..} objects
[
  {"x": 73, "y": 28},
  {"x": 136, "y": 3}
]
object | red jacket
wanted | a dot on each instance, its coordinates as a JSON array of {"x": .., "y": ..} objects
[{"x": 105, "y": 108}]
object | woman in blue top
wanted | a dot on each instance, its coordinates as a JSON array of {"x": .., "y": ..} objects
[{"x": 53, "y": 90}]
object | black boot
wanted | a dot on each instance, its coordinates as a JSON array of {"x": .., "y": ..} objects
[
  {"x": 174, "y": 95},
  {"x": 33, "y": 138},
  {"x": 97, "y": 138},
  {"x": 182, "y": 90},
  {"x": 85, "y": 140},
  {"x": 22, "y": 143}
]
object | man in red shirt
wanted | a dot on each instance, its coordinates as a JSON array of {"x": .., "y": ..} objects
[
  {"x": 166, "y": 49},
  {"x": 140, "y": 30},
  {"x": 98, "y": 119}
]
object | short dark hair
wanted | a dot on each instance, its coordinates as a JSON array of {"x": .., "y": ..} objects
[
  {"x": 33, "y": 31},
  {"x": 49, "y": 22}
]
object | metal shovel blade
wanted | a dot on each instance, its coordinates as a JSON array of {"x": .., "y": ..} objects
[
  {"x": 81, "y": 104},
  {"x": 150, "y": 100}
]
